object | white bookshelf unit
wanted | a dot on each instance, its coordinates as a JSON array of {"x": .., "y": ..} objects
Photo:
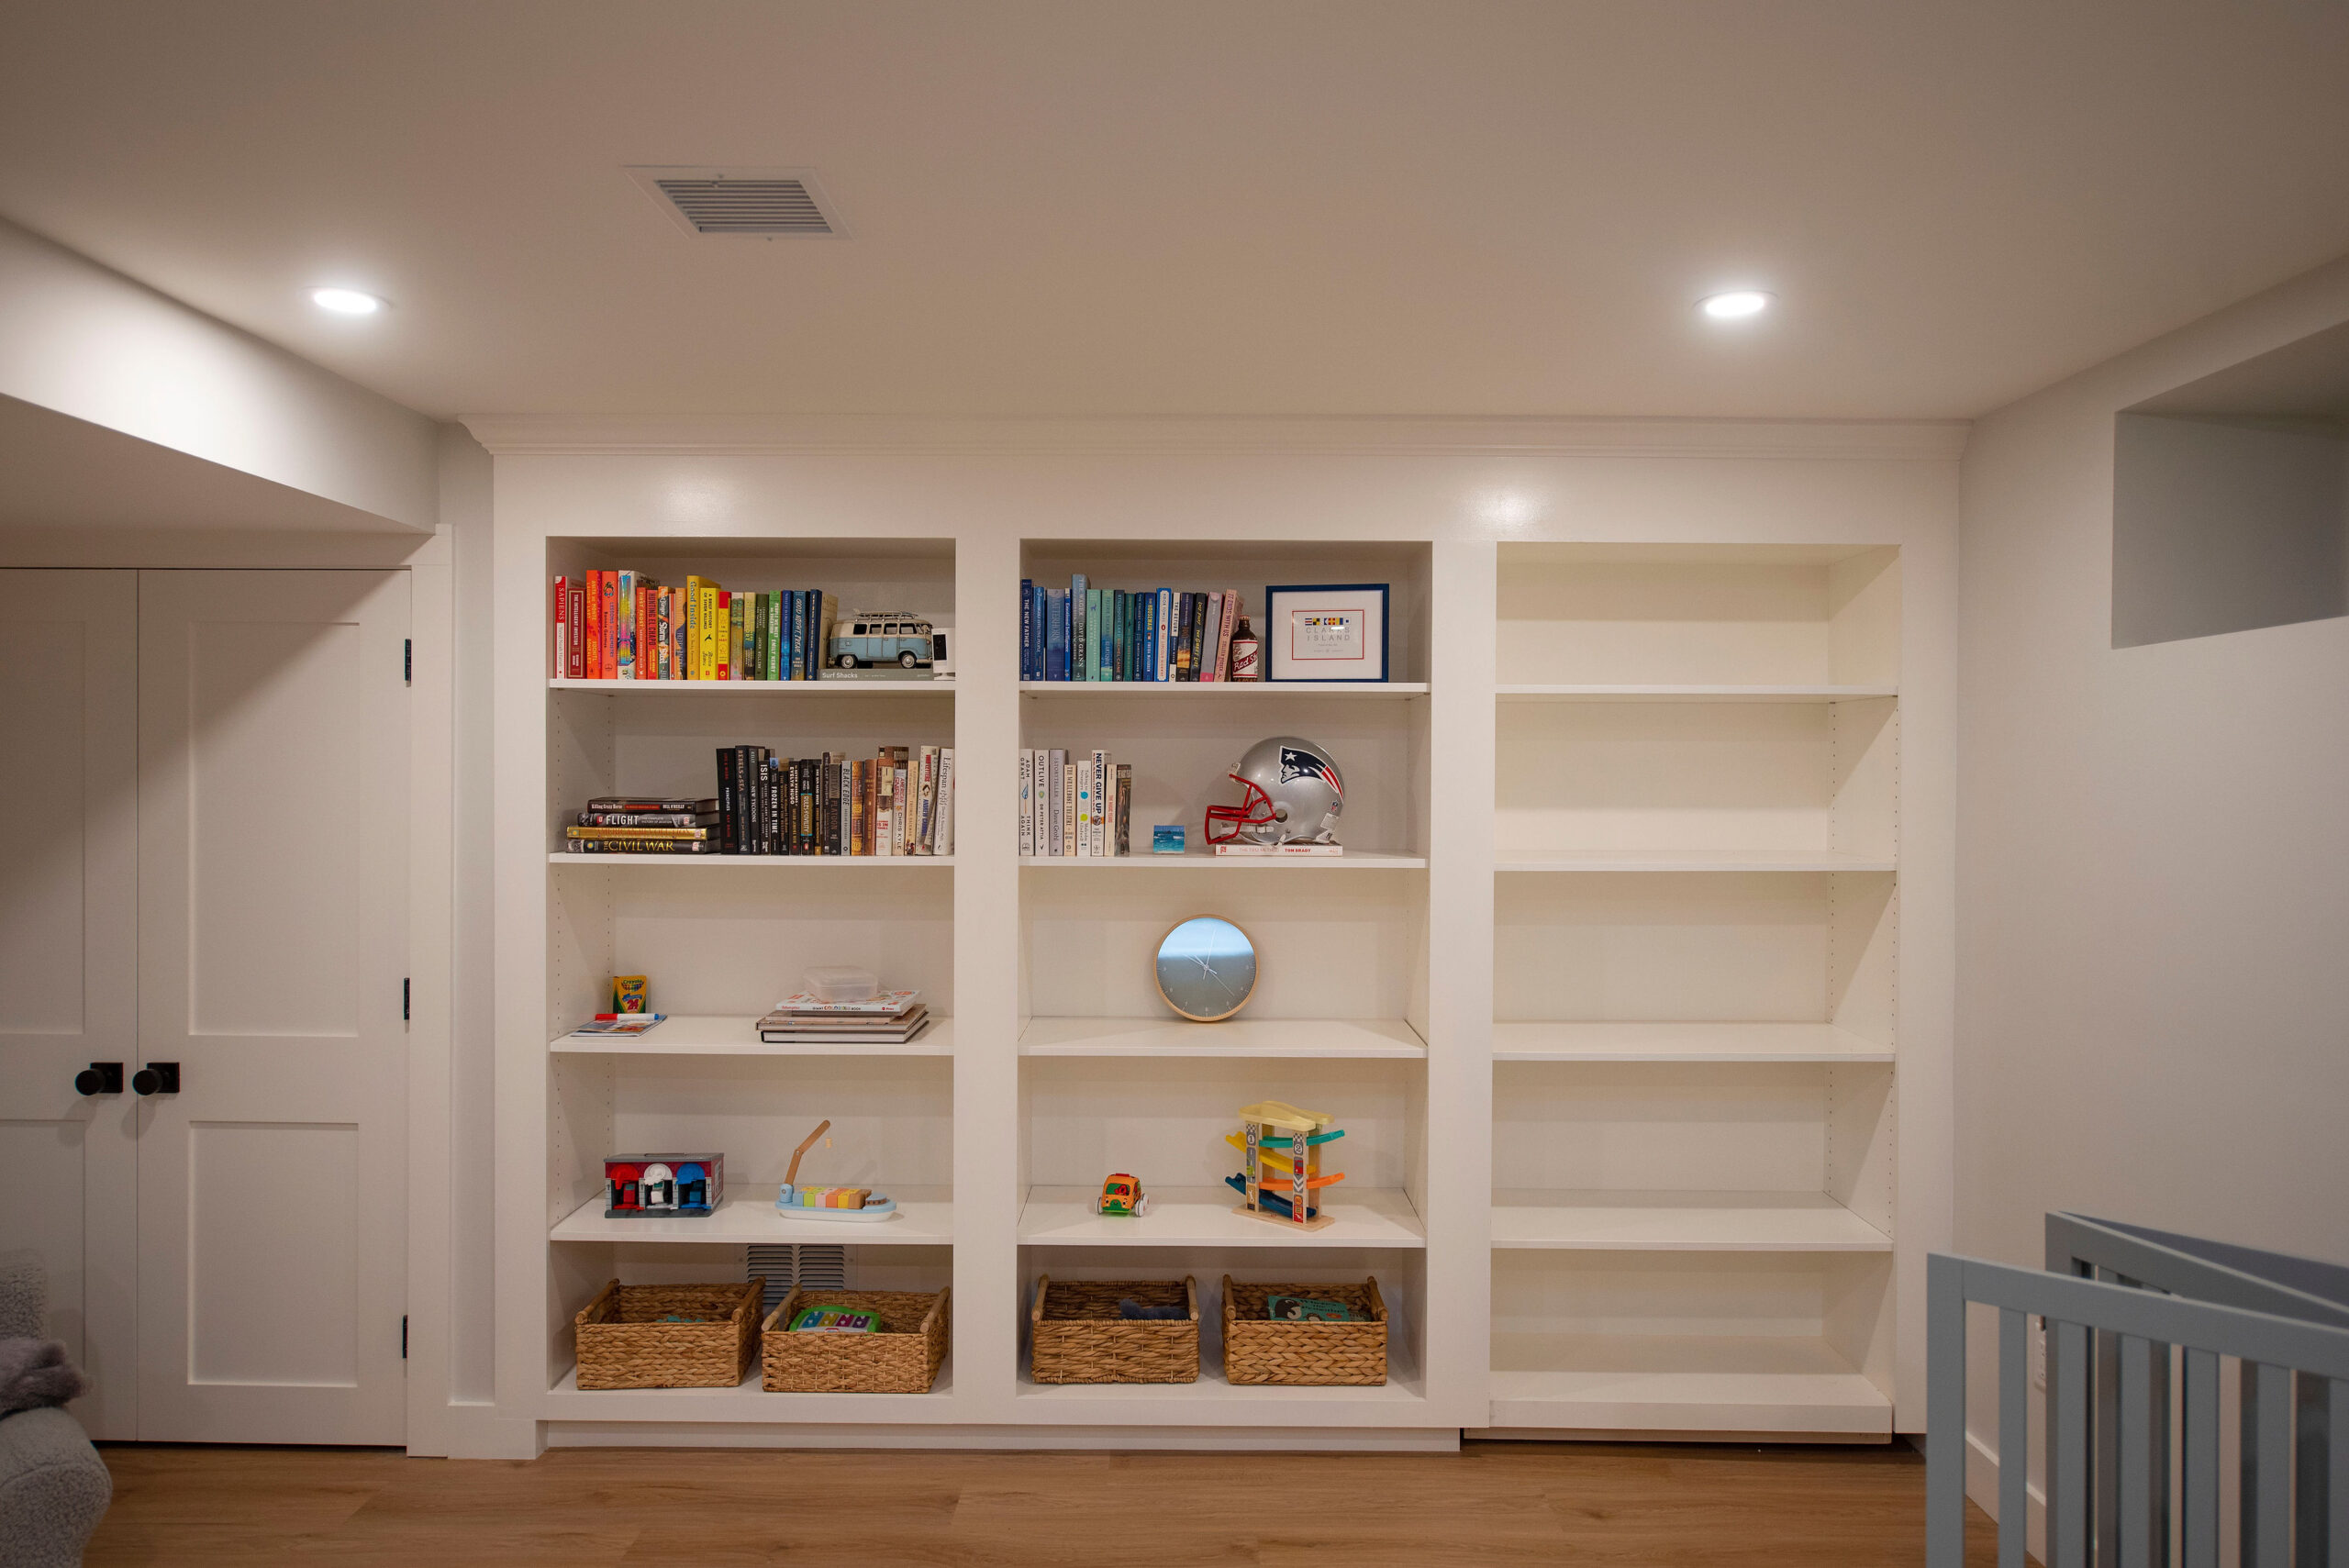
[
  {"x": 1696, "y": 918},
  {"x": 1638, "y": 957}
]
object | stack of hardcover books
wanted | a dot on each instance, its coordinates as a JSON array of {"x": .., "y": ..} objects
[
  {"x": 635, "y": 825},
  {"x": 892, "y": 1017}
]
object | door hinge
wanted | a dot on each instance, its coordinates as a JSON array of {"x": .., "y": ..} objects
[
  {"x": 404, "y": 999},
  {"x": 407, "y": 660},
  {"x": 403, "y": 1336}
]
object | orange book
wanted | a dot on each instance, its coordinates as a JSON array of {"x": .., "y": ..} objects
[{"x": 593, "y": 642}]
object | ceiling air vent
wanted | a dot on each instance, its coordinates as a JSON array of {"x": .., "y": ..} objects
[{"x": 761, "y": 202}]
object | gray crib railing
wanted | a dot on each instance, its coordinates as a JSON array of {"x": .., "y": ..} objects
[{"x": 2116, "y": 1299}]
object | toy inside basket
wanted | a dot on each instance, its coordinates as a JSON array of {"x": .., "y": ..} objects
[
  {"x": 669, "y": 1336},
  {"x": 1077, "y": 1335},
  {"x": 1259, "y": 1348},
  {"x": 902, "y": 1357}
]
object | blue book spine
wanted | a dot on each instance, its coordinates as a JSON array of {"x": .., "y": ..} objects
[
  {"x": 1043, "y": 629},
  {"x": 1150, "y": 639},
  {"x": 1102, "y": 639},
  {"x": 1056, "y": 664},
  {"x": 792, "y": 663},
  {"x": 1120, "y": 632},
  {"x": 1027, "y": 629},
  {"x": 1165, "y": 650},
  {"x": 1076, "y": 627}
]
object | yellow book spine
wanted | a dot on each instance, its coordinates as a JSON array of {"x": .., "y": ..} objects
[
  {"x": 706, "y": 648},
  {"x": 692, "y": 608}
]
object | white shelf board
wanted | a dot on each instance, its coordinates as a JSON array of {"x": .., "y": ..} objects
[
  {"x": 746, "y": 1401},
  {"x": 1608, "y": 1041},
  {"x": 925, "y": 1218},
  {"x": 1697, "y": 859},
  {"x": 761, "y": 688},
  {"x": 1213, "y": 1402},
  {"x": 1202, "y": 1217},
  {"x": 1225, "y": 688},
  {"x": 1675, "y": 1382},
  {"x": 1667, "y": 1221},
  {"x": 1197, "y": 858},
  {"x": 1689, "y": 693},
  {"x": 755, "y": 862},
  {"x": 713, "y": 1034},
  {"x": 1321, "y": 1039}
]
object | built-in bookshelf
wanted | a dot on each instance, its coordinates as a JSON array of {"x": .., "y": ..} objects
[
  {"x": 1614, "y": 1031},
  {"x": 1696, "y": 906}
]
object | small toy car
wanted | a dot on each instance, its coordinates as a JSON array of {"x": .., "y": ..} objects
[{"x": 1122, "y": 1193}]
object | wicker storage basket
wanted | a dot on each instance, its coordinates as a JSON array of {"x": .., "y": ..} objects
[
  {"x": 624, "y": 1343},
  {"x": 1258, "y": 1349},
  {"x": 903, "y": 1358},
  {"x": 1077, "y": 1337}
]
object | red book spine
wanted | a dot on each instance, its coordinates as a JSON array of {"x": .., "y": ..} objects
[
  {"x": 595, "y": 627},
  {"x": 608, "y": 641},
  {"x": 646, "y": 660},
  {"x": 576, "y": 638},
  {"x": 725, "y": 635},
  {"x": 558, "y": 664}
]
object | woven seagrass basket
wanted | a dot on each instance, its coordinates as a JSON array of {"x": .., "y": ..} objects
[
  {"x": 624, "y": 1343},
  {"x": 1077, "y": 1337},
  {"x": 1258, "y": 1349},
  {"x": 903, "y": 1358}
]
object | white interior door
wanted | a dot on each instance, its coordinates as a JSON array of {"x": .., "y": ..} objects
[
  {"x": 274, "y": 941},
  {"x": 69, "y": 961}
]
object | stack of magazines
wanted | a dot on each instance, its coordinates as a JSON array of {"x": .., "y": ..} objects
[{"x": 891, "y": 1018}]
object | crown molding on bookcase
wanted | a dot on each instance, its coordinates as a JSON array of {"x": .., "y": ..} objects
[{"x": 557, "y": 435}]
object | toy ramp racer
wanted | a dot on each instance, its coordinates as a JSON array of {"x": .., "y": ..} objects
[{"x": 1283, "y": 1148}]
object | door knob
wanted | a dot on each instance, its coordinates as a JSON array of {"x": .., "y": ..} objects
[
  {"x": 99, "y": 1078},
  {"x": 157, "y": 1078}
]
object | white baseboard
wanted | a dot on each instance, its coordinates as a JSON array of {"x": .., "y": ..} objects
[{"x": 1982, "y": 1486}]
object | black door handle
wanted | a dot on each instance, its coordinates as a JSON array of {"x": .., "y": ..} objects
[
  {"x": 157, "y": 1078},
  {"x": 99, "y": 1078}
]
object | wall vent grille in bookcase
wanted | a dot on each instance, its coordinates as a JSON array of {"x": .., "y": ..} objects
[{"x": 786, "y": 1266}]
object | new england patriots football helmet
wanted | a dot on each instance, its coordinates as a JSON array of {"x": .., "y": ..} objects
[{"x": 1290, "y": 793}]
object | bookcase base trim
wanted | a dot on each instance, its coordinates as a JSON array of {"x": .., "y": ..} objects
[
  {"x": 1640, "y": 1435},
  {"x": 834, "y": 1435}
]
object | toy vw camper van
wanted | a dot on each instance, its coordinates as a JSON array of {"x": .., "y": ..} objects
[{"x": 868, "y": 637}]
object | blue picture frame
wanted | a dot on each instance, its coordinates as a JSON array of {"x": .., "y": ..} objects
[{"x": 1275, "y": 637}]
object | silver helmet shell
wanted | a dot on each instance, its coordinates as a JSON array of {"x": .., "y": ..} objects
[{"x": 1291, "y": 792}]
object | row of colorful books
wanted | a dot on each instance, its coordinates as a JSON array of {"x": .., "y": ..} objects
[
  {"x": 1084, "y": 633},
  {"x": 623, "y": 626},
  {"x": 900, "y": 802},
  {"x": 1075, "y": 803}
]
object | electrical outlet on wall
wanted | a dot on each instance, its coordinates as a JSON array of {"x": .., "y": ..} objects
[{"x": 2039, "y": 1353}]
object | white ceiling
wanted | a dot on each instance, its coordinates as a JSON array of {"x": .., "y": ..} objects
[{"x": 1246, "y": 206}]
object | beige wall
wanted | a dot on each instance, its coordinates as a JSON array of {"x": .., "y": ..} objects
[{"x": 2153, "y": 1019}]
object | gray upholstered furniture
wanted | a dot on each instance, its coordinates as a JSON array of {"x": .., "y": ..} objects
[{"x": 53, "y": 1487}]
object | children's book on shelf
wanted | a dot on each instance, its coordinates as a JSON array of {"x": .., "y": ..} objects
[
  {"x": 626, "y": 1026},
  {"x": 624, "y": 626},
  {"x": 1086, "y": 632}
]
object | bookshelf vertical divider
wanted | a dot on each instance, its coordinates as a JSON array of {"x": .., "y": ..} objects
[{"x": 1491, "y": 1019}]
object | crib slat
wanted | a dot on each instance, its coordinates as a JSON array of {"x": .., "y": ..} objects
[
  {"x": 2202, "y": 1461},
  {"x": 2067, "y": 1445},
  {"x": 2266, "y": 1466},
  {"x": 2135, "y": 1503},
  {"x": 2014, "y": 1436}
]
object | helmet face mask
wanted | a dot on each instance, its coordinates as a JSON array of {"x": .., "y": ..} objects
[{"x": 1290, "y": 792}]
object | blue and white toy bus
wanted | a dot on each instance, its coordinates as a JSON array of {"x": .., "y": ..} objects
[{"x": 869, "y": 638}]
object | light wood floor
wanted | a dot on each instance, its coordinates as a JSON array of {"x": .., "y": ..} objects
[{"x": 1492, "y": 1502}]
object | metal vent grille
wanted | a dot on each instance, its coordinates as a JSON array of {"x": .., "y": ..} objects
[
  {"x": 765, "y": 203},
  {"x": 810, "y": 1266},
  {"x": 746, "y": 206}
]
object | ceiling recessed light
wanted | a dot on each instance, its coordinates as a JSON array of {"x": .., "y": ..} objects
[
  {"x": 1736, "y": 304},
  {"x": 346, "y": 302}
]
